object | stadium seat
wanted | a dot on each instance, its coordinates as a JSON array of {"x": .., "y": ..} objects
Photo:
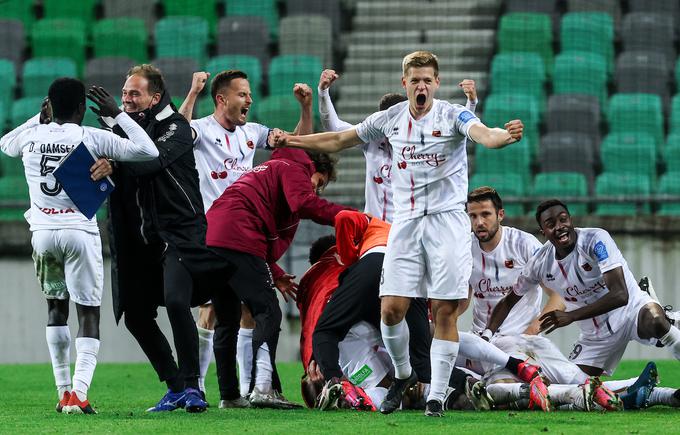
[
  {"x": 8, "y": 80},
  {"x": 248, "y": 64},
  {"x": 669, "y": 184},
  {"x": 108, "y": 72},
  {"x": 515, "y": 159},
  {"x": 121, "y": 37},
  {"x": 636, "y": 113},
  {"x": 244, "y": 35},
  {"x": 287, "y": 70},
  {"x": 611, "y": 7},
  {"x": 618, "y": 185},
  {"x": 633, "y": 153},
  {"x": 177, "y": 72},
  {"x": 674, "y": 120},
  {"x": 12, "y": 41},
  {"x": 569, "y": 151},
  {"x": 278, "y": 111},
  {"x": 665, "y": 7},
  {"x": 574, "y": 112},
  {"x": 654, "y": 32},
  {"x": 25, "y": 108},
  {"x": 60, "y": 37},
  {"x": 206, "y": 9},
  {"x": 561, "y": 184},
  {"x": 499, "y": 109},
  {"x": 21, "y": 10},
  {"x": 671, "y": 153},
  {"x": 645, "y": 72},
  {"x": 328, "y": 8},
  {"x": 82, "y": 10},
  {"x": 307, "y": 35},
  {"x": 14, "y": 189},
  {"x": 581, "y": 73},
  {"x": 541, "y": 6},
  {"x": 523, "y": 73},
  {"x": 143, "y": 9},
  {"x": 590, "y": 32},
  {"x": 527, "y": 32},
  {"x": 182, "y": 37},
  {"x": 39, "y": 73},
  {"x": 266, "y": 9},
  {"x": 507, "y": 185}
]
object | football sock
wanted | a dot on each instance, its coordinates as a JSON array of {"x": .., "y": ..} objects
[
  {"x": 396, "y": 339},
  {"x": 59, "y": 344},
  {"x": 443, "y": 353},
  {"x": 620, "y": 385},
  {"x": 477, "y": 349},
  {"x": 503, "y": 393},
  {"x": 672, "y": 341},
  {"x": 205, "y": 350},
  {"x": 264, "y": 369},
  {"x": 86, "y": 361},
  {"x": 664, "y": 396},
  {"x": 567, "y": 395},
  {"x": 244, "y": 357}
]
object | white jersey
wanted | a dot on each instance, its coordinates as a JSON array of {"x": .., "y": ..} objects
[
  {"x": 429, "y": 158},
  {"x": 42, "y": 148},
  {"x": 222, "y": 156},
  {"x": 363, "y": 358},
  {"x": 495, "y": 273},
  {"x": 578, "y": 278}
]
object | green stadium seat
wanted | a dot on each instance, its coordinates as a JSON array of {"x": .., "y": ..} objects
[
  {"x": 636, "y": 113},
  {"x": 287, "y": 70},
  {"x": 182, "y": 37},
  {"x": 13, "y": 190},
  {"x": 266, "y": 9},
  {"x": 581, "y": 73},
  {"x": 617, "y": 184},
  {"x": 60, "y": 38},
  {"x": 589, "y": 31},
  {"x": 248, "y": 64},
  {"x": 561, "y": 184},
  {"x": 121, "y": 37},
  {"x": 82, "y": 10},
  {"x": 21, "y": 10},
  {"x": 513, "y": 159},
  {"x": 669, "y": 184},
  {"x": 671, "y": 153},
  {"x": 506, "y": 185},
  {"x": 39, "y": 73},
  {"x": 630, "y": 153},
  {"x": 519, "y": 73},
  {"x": 527, "y": 32},
  {"x": 206, "y": 9},
  {"x": 499, "y": 109},
  {"x": 7, "y": 83},
  {"x": 674, "y": 121},
  {"x": 25, "y": 108},
  {"x": 278, "y": 111}
]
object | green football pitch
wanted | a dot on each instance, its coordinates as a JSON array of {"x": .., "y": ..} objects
[{"x": 121, "y": 393}]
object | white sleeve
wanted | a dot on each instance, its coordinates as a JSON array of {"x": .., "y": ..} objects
[
  {"x": 262, "y": 133},
  {"x": 9, "y": 143},
  {"x": 139, "y": 147},
  {"x": 529, "y": 278},
  {"x": 195, "y": 127},
  {"x": 530, "y": 246},
  {"x": 372, "y": 127},
  {"x": 463, "y": 119},
  {"x": 603, "y": 249},
  {"x": 329, "y": 118}
]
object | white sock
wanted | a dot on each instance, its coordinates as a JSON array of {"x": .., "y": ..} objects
[
  {"x": 86, "y": 361},
  {"x": 443, "y": 353},
  {"x": 205, "y": 350},
  {"x": 502, "y": 393},
  {"x": 264, "y": 371},
  {"x": 476, "y": 348},
  {"x": 396, "y": 338},
  {"x": 59, "y": 343},
  {"x": 567, "y": 395},
  {"x": 672, "y": 341},
  {"x": 244, "y": 357},
  {"x": 663, "y": 396},
  {"x": 619, "y": 385}
]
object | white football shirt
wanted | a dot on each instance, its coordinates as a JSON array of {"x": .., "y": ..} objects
[
  {"x": 363, "y": 358},
  {"x": 579, "y": 279},
  {"x": 222, "y": 156},
  {"x": 494, "y": 275},
  {"x": 42, "y": 148},
  {"x": 429, "y": 159}
]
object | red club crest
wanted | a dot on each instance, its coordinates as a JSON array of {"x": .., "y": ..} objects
[
  {"x": 378, "y": 180},
  {"x": 587, "y": 267},
  {"x": 401, "y": 165},
  {"x": 436, "y": 133},
  {"x": 509, "y": 263},
  {"x": 250, "y": 144}
]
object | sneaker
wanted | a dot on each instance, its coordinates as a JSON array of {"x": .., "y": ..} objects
[
  {"x": 526, "y": 372},
  {"x": 64, "y": 401},
  {"x": 356, "y": 397},
  {"x": 169, "y": 402},
  {"x": 478, "y": 396},
  {"x": 194, "y": 401},
  {"x": 646, "y": 286},
  {"x": 600, "y": 395},
  {"x": 331, "y": 392},
  {"x": 395, "y": 393},
  {"x": 433, "y": 408},
  {"x": 538, "y": 395},
  {"x": 270, "y": 399},
  {"x": 204, "y": 399},
  {"x": 240, "y": 402},
  {"x": 672, "y": 316},
  {"x": 637, "y": 395},
  {"x": 76, "y": 406}
]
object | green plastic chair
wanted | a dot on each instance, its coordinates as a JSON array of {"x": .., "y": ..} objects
[
  {"x": 286, "y": 70},
  {"x": 60, "y": 38},
  {"x": 559, "y": 184},
  {"x": 7, "y": 83},
  {"x": 266, "y": 9},
  {"x": 581, "y": 73},
  {"x": 248, "y": 64},
  {"x": 633, "y": 153},
  {"x": 499, "y": 109},
  {"x": 669, "y": 184},
  {"x": 613, "y": 184},
  {"x": 206, "y": 9},
  {"x": 13, "y": 189},
  {"x": 514, "y": 159},
  {"x": 505, "y": 185},
  {"x": 278, "y": 111},
  {"x": 674, "y": 126},
  {"x": 25, "y": 108},
  {"x": 589, "y": 31},
  {"x": 80, "y": 10},
  {"x": 519, "y": 73},
  {"x": 39, "y": 73},
  {"x": 182, "y": 37},
  {"x": 636, "y": 113},
  {"x": 671, "y": 153},
  {"x": 21, "y": 10},
  {"x": 527, "y": 32},
  {"x": 121, "y": 37}
]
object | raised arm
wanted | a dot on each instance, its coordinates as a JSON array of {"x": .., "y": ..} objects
[
  {"x": 470, "y": 91},
  {"x": 198, "y": 82},
  {"x": 497, "y": 137},
  {"x": 303, "y": 93},
  {"x": 329, "y": 118},
  {"x": 330, "y": 142}
]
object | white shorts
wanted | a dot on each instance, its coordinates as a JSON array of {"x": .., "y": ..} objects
[
  {"x": 606, "y": 353},
  {"x": 428, "y": 257},
  {"x": 69, "y": 263}
]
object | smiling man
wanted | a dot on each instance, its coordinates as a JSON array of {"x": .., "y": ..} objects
[{"x": 428, "y": 252}]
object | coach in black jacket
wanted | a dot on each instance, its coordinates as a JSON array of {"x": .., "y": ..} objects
[{"x": 158, "y": 239}]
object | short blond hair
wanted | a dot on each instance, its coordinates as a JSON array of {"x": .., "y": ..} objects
[
  {"x": 152, "y": 74},
  {"x": 420, "y": 59}
]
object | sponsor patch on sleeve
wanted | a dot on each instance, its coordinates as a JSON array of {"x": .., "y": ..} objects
[
  {"x": 600, "y": 251},
  {"x": 465, "y": 116},
  {"x": 361, "y": 375}
]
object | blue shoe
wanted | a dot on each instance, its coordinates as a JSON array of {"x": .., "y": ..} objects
[
  {"x": 194, "y": 401},
  {"x": 170, "y": 402},
  {"x": 637, "y": 395}
]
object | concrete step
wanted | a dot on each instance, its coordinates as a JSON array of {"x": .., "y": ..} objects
[
  {"x": 464, "y": 63},
  {"x": 420, "y": 8},
  {"x": 443, "y": 50},
  {"x": 422, "y": 22}
]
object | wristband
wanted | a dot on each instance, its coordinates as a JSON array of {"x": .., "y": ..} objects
[{"x": 487, "y": 334}]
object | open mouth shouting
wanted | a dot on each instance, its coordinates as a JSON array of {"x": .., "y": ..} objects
[
  {"x": 420, "y": 101},
  {"x": 562, "y": 237}
]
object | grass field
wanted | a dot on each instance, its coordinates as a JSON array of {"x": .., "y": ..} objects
[{"x": 121, "y": 393}]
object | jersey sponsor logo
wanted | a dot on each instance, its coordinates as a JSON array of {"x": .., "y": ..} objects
[
  {"x": 575, "y": 291},
  {"x": 430, "y": 159},
  {"x": 509, "y": 263},
  {"x": 587, "y": 267},
  {"x": 437, "y": 133},
  {"x": 260, "y": 168},
  {"x": 465, "y": 116},
  {"x": 600, "y": 251},
  {"x": 361, "y": 375},
  {"x": 168, "y": 134},
  {"x": 53, "y": 211},
  {"x": 401, "y": 165},
  {"x": 221, "y": 175},
  {"x": 484, "y": 286}
]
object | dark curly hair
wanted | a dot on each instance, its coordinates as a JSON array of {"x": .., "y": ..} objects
[
  {"x": 319, "y": 246},
  {"x": 546, "y": 205},
  {"x": 325, "y": 163}
]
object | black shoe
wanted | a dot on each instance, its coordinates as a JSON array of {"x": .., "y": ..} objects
[
  {"x": 396, "y": 392},
  {"x": 434, "y": 409}
]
